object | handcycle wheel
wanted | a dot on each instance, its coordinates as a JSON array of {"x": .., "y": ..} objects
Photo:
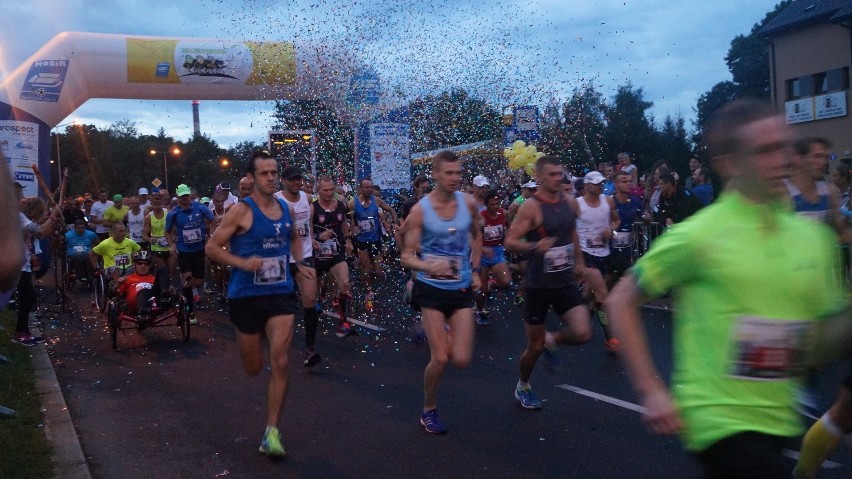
[
  {"x": 112, "y": 315},
  {"x": 183, "y": 318},
  {"x": 99, "y": 289}
]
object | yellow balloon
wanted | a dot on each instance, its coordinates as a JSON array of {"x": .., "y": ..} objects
[
  {"x": 530, "y": 169},
  {"x": 519, "y": 144}
]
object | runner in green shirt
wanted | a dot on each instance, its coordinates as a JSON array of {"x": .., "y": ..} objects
[
  {"x": 115, "y": 213},
  {"x": 749, "y": 278}
]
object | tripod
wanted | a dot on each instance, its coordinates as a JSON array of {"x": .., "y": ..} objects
[{"x": 58, "y": 301}]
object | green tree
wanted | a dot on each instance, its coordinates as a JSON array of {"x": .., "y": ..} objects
[
  {"x": 574, "y": 131},
  {"x": 451, "y": 118},
  {"x": 628, "y": 128},
  {"x": 673, "y": 145},
  {"x": 333, "y": 136}
]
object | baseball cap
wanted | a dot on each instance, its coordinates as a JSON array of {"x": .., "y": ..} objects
[
  {"x": 480, "y": 181},
  {"x": 225, "y": 186},
  {"x": 205, "y": 199},
  {"x": 530, "y": 184},
  {"x": 594, "y": 177},
  {"x": 143, "y": 191},
  {"x": 80, "y": 199},
  {"x": 291, "y": 173},
  {"x": 155, "y": 190},
  {"x": 182, "y": 189},
  {"x": 117, "y": 197}
]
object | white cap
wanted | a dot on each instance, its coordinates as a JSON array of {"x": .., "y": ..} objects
[
  {"x": 594, "y": 177},
  {"x": 530, "y": 184},
  {"x": 143, "y": 191},
  {"x": 480, "y": 181}
]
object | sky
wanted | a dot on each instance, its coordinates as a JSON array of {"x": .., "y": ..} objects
[{"x": 503, "y": 51}]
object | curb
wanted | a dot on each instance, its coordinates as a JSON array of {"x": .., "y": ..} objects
[{"x": 68, "y": 459}]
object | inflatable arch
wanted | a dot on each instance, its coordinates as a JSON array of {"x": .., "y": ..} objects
[{"x": 74, "y": 67}]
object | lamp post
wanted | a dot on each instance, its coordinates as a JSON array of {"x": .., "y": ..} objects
[
  {"x": 58, "y": 156},
  {"x": 175, "y": 151}
]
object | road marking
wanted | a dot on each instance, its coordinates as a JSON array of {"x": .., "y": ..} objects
[
  {"x": 635, "y": 407},
  {"x": 354, "y": 321}
]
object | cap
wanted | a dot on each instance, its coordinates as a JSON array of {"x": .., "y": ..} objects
[
  {"x": 117, "y": 197},
  {"x": 155, "y": 190},
  {"x": 291, "y": 173},
  {"x": 205, "y": 199},
  {"x": 143, "y": 191},
  {"x": 182, "y": 189},
  {"x": 80, "y": 199},
  {"x": 480, "y": 181},
  {"x": 224, "y": 185},
  {"x": 594, "y": 177},
  {"x": 530, "y": 184}
]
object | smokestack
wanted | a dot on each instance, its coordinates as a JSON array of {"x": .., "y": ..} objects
[{"x": 196, "y": 123}]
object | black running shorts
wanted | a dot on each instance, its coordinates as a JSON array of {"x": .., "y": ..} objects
[
  {"x": 250, "y": 315},
  {"x": 539, "y": 301},
  {"x": 447, "y": 301}
]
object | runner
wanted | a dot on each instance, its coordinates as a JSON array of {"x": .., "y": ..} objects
[
  {"x": 187, "y": 226},
  {"x": 548, "y": 222},
  {"x": 219, "y": 272},
  {"x": 493, "y": 255},
  {"x": 365, "y": 209},
  {"x": 332, "y": 245},
  {"x": 743, "y": 312},
  {"x": 299, "y": 202},
  {"x": 629, "y": 208},
  {"x": 154, "y": 233},
  {"x": 134, "y": 219},
  {"x": 444, "y": 226},
  {"x": 518, "y": 261},
  {"x": 262, "y": 234},
  {"x": 116, "y": 252},
  {"x": 116, "y": 212},
  {"x": 96, "y": 214}
]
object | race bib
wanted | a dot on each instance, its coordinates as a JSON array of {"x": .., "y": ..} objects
[
  {"x": 622, "y": 239},
  {"x": 162, "y": 242},
  {"x": 137, "y": 237},
  {"x": 368, "y": 225},
  {"x": 122, "y": 259},
  {"x": 767, "y": 349},
  {"x": 493, "y": 233},
  {"x": 559, "y": 258},
  {"x": 141, "y": 286},
  {"x": 302, "y": 229},
  {"x": 272, "y": 271},
  {"x": 79, "y": 249},
  {"x": 455, "y": 268},
  {"x": 328, "y": 249},
  {"x": 596, "y": 241},
  {"x": 192, "y": 236}
]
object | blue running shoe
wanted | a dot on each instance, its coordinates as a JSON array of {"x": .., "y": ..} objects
[
  {"x": 432, "y": 422},
  {"x": 527, "y": 398}
]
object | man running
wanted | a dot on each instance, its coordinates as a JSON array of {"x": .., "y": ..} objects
[
  {"x": 751, "y": 278},
  {"x": 444, "y": 226},
  {"x": 134, "y": 219},
  {"x": 187, "y": 226},
  {"x": 331, "y": 244},
  {"x": 518, "y": 261},
  {"x": 300, "y": 203},
  {"x": 548, "y": 222},
  {"x": 96, "y": 214},
  {"x": 493, "y": 255},
  {"x": 629, "y": 208},
  {"x": 368, "y": 242},
  {"x": 263, "y": 237},
  {"x": 154, "y": 233}
]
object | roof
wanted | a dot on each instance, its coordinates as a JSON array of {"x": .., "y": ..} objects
[{"x": 803, "y": 12}]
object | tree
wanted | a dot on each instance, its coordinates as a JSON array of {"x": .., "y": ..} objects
[
  {"x": 673, "y": 144},
  {"x": 628, "y": 128},
  {"x": 574, "y": 131},
  {"x": 451, "y": 118},
  {"x": 333, "y": 136}
]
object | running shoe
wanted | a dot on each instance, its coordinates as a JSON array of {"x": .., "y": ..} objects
[
  {"x": 432, "y": 422},
  {"x": 551, "y": 361},
  {"x": 312, "y": 359},
  {"x": 25, "y": 339},
  {"x": 345, "y": 329},
  {"x": 192, "y": 319},
  {"x": 527, "y": 398},
  {"x": 481, "y": 318},
  {"x": 613, "y": 345},
  {"x": 271, "y": 443},
  {"x": 519, "y": 301}
]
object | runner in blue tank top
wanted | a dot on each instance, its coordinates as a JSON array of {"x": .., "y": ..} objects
[
  {"x": 365, "y": 208},
  {"x": 262, "y": 235},
  {"x": 446, "y": 228}
]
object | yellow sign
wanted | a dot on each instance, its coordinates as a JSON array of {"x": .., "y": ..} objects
[{"x": 156, "y": 182}]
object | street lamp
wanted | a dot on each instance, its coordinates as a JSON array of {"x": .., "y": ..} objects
[
  {"x": 225, "y": 162},
  {"x": 58, "y": 156},
  {"x": 175, "y": 151}
]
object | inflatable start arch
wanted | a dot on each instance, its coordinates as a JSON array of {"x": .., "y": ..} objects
[{"x": 74, "y": 67}]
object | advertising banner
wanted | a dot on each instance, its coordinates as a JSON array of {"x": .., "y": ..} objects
[
  {"x": 799, "y": 110},
  {"x": 390, "y": 155},
  {"x": 831, "y": 105},
  {"x": 19, "y": 146}
]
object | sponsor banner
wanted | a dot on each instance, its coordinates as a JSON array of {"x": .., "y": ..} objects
[
  {"x": 194, "y": 62},
  {"x": 364, "y": 89},
  {"x": 390, "y": 155},
  {"x": 800, "y": 110},
  {"x": 526, "y": 118},
  {"x": 831, "y": 105},
  {"x": 512, "y": 134},
  {"x": 19, "y": 145},
  {"x": 45, "y": 80}
]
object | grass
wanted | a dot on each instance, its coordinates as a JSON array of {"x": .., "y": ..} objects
[{"x": 24, "y": 450}]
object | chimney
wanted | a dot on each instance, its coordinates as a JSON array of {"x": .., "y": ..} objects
[{"x": 196, "y": 123}]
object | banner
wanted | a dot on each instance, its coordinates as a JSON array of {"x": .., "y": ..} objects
[
  {"x": 19, "y": 145},
  {"x": 390, "y": 155}
]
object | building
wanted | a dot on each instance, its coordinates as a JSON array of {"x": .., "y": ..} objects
[{"x": 810, "y": 49}]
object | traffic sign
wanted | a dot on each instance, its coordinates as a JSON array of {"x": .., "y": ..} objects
[{"x": 156, "y": 182}]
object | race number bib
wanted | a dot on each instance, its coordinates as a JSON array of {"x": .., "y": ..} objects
[
  {"x": 141, "y": 286},
  {"x": 455, "y": 268},
  {"x": 192, "y": 236},
  {"x": 493, "y": 233},
  {"x": 136, "y": 236},
  {"x": 595, "y": 241},
  {"x": 122, "y": 259},
  {"x": 559, "y": 258},
  {"x": 368, "y": 225},
  {"x": 162, "y": 242},
  {"x": 328, "y": 249},
  {"x": 272, "y": 271},
  {"x": 767, "y": 349},
  {"x": 303, "y": 230},
  {"x": 622, "y": 239},
  {"x": 79, "y": 249}
]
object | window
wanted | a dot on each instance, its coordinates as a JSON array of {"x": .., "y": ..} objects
[{"x": 818, "y": 84}]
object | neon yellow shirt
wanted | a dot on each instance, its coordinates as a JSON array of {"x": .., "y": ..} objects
[
  {"x": 748, "y": 280},
  {"x": 116, "y": 254},
  {"x": 158, "y": 232},
  {"x": 115, "y": 215}
]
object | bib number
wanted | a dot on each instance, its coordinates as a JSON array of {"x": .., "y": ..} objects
[
  {"x": 595, "y": 242},
  {"x": 192, "y": 236},
  {"x": 272, "y": 271},
  {"x": 622, "y": 239},
  {"x": 767, "y": 349},
  {"x": 79, "y": 249},
  {"x": 368, "y": 225},
  {"x": 122, "y": 259},
  {"x": 303, "y": 230},
  {"x": 162, "y": 242},
  {"x": 455, "y": 268},
  {"x": 559, "y": 258},
  {"x": 328, "y": 249},
  {"x": 493, "y": 233}
]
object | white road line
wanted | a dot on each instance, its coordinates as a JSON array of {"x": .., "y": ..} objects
[
  {"x": 354, "y": 321},
  {"x": 635, "y": 407},
  {"x": 601, "y": 397}
]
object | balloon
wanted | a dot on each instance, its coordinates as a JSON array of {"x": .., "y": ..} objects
[{"x": 530, "y": 170}]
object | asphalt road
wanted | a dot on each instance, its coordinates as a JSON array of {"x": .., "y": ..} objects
[{"x": 158, "y": 407}]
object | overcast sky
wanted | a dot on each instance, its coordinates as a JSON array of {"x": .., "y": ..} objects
[{"x": 504, "y": 51}]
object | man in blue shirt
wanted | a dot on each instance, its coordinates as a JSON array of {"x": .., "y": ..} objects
[
  {"x": 78, "y": 242},
  {"x": 187, "y": 225}
]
